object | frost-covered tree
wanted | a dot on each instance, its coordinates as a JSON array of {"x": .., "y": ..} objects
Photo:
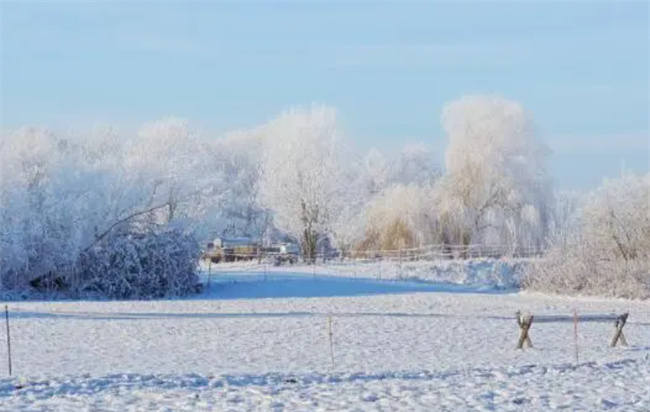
[
  {"x": 609, "y": 252},
  {"x": 171, "y": 167},
  {"x": 347, "y": 227},
  {"x": 415, "y": 165},
  {"x": 376, "y": 171},
  {"x": 239, "y": 212},
  {"x": 617, "y": 218},
  {"x": 398, "y": 210},
  {"x": 50, "y": 202},
  {"x": 303, "y": 179},
  {"x": 63, "y": 196},
  {"x": 565, "y": 217},
  {"x": 496, "y": 188}
]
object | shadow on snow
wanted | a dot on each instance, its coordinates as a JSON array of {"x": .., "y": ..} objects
[
  {"x": 237, "y": 285},
  {"x": 233, "y": 285}
]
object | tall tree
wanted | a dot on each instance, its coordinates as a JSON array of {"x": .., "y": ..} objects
[
  {"x": 496, "y": 189},
  {"x": 303, "y": 179}
]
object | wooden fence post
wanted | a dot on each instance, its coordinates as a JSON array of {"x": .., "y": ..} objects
[
  {"x": 209, "y": 272},
  {"x": 8, "y": 338},
  {"x": 575, "y": 334},
  {"x": 618, "y": 331},
  {"x": 331, "y": 337}
]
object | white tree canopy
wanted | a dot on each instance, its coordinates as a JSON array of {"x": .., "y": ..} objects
[
  {"x": 303, "y": 179},
  {"x": 376, "y": 171},
  {"x": 415, "y": 166},
  {"x": 496, "y": 186},
  {"x": 239, "y": 212}
]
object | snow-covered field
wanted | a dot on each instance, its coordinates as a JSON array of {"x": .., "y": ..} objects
[{"x": 259, "y": 341}]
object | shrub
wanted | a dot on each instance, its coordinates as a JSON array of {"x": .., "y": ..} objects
[
  {"x": 139, "y": 266},
  {"x": 608, "y": 252}
]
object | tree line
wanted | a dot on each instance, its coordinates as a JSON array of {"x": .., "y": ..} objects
[{"x": 71, "y": 203}]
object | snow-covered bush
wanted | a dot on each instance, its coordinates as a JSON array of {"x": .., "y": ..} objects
[
  {"x": 608, "y": 253},
  {"x": 400, "y": 217},
  {"x": 495, "y": 273},
  {"x": 387, "y": 203},
  {"x": 139, "y": 266}
]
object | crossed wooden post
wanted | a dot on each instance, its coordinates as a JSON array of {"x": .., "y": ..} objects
[
  {"x": 618, "y": 330},
  {"x": 525, "y": 322}
]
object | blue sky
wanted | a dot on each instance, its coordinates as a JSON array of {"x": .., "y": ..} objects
[{"x": 581, "y": 68}]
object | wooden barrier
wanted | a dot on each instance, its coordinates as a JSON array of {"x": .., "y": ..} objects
[{"x": 526, "y": 321}]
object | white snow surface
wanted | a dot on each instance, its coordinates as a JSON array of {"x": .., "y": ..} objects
[{"x": 259, "y": 341}]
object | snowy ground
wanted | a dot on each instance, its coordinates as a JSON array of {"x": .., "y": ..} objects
[
  {"x": 259, "y": 341},
  {"x": 492, "y": 273}
]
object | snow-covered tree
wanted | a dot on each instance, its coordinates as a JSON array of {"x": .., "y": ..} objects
[
  {"x": 495, "y": 189},
  {"x": 303, "y": 181},
  {"x": 415, "y": 165},
  {"x": 609, "y": 254},
  {"x": 50, "y": 201},
  {"x": 347, "y": 227},
  {"x": 398, "y": 210},
  {"x": 617, "y": 218},
  {"x": 170, "y": 165},
  {"x": 63, "y": 196},
  {"x": 239, "y": 213},
  {"x": 376, "y": 171},
  {"x": 565, "y": 217}
]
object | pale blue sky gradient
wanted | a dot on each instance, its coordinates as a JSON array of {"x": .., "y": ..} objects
[{"x": 581, "y": 68}]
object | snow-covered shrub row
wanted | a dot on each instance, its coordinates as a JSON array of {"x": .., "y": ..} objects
[
  {"x": 493, "y": 273},
  {"x": 139, "y": 266},
  {"x": 606, "y": 251}
]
